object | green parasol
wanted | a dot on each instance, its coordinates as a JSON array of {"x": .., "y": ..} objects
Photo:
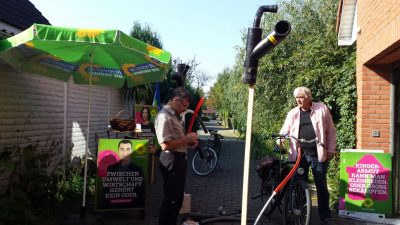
[
  {"x": 108, "y": 57},
  {"x": 90, "y": 56}
]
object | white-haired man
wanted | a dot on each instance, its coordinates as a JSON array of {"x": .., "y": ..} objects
[{"x": 310, "y": 120}]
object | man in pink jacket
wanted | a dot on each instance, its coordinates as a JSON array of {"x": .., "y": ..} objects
[{"x": 310, "y": 120}]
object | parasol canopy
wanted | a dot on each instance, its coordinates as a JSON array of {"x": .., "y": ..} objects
[{"x": 108, "y": 57}]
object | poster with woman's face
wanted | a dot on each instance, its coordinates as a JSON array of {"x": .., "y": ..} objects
[{"x": 145, "y": 115}]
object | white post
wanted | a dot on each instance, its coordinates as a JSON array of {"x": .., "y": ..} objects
[{"x": 247, "y": 156}]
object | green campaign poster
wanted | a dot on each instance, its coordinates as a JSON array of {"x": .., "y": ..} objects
[
  {"x": 121, "y": 174},
  {"x": 145, "y": 116},
  {"x": 365, "y": 182}
]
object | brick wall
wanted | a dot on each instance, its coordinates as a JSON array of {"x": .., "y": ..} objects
[
  {"x": 379, "y": 34},
  {"x": 42, "y": 100}
]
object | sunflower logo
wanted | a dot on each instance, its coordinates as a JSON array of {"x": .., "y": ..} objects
[
  {"x": 90, "y": 33},
  {"x": 140, "y": 149},
  {"x": 154, "y": 50},
  {"x": 368, "y": 203},
  {"x": 125, "y": 68},
  {"x": 30, "y": 44},
  {"x": 85, "y": 74},
  {"x": 153, "y": 113}
]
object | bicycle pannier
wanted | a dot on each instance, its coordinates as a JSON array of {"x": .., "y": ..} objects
[{"x": 264, "y": 165}]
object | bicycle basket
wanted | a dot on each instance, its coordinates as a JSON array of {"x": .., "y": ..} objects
[{"x": 264, "y": 165}]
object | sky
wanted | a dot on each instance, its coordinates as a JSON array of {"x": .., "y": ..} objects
[{"x": 207, "y": 30}]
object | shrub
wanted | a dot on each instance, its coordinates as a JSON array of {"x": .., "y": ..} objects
[
  {"x": 33, "y": 175},
  {"x": 38, "y": 179}
]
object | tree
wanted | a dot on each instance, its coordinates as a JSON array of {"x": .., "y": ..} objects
[
  {"x": 145, "y": 34},
  {"x": 142, "y": 93},
  {"x": 201, "y": 77},
  {"x": 169, "y": 83}
]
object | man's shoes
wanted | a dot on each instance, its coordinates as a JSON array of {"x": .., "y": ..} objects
[{"x": 328, "y": 221}]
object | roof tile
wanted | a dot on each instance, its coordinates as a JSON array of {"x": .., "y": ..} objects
[{"x": 20, "y": 13}]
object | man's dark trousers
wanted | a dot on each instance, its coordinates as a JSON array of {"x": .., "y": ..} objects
[
  {"x": 174, "y": 185},
  {"x": 319, "y": 170}
]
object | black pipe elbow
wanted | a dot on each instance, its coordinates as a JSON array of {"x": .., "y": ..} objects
[
  {"x": 281, "y": 31},
  {"x": 257, "y": 48},
  {"x": 261, "y": 10}
]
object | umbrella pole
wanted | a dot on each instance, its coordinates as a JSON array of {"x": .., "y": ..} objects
[
  {"x": 83, "y": 207},
  {"x": 247, "y": 155}
]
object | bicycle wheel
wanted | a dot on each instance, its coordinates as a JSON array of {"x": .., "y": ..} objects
[
  {"x": 297, "y": 205},
  {"x": 204, "y": 161}
]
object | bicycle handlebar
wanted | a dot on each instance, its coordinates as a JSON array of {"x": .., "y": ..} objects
[
  {"x": 298, "y": 140},
  {"x": 215, "y": 133}
]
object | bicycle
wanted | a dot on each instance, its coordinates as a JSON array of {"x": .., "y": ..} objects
[
  {"x": 284, "y": 190},
  {"x": 205, "y": 158},
  {"x": 294, "y": 201}
]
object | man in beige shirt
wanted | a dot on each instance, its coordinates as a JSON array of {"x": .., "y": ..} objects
[{"x": 174, "y": 144}]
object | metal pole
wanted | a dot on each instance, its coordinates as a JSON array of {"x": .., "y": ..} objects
[{"x": 83, "y": 207}]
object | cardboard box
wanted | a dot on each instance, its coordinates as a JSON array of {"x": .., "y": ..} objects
[{"x": 187, "y": 201}]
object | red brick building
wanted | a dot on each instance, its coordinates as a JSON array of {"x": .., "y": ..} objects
[{"x": 374, "y": 26}]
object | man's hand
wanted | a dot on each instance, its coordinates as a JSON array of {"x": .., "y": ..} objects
[
  {"x": 187, "y": 140},
  {"x": 280, "y": 143},
  {"x": 192, "y": 139}
]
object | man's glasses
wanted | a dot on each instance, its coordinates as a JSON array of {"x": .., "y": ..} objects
[{"x": 184, "y": 102}]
